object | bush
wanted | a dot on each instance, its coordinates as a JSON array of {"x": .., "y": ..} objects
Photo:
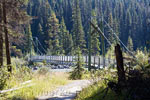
[
  {"x": 23, "y": 73},
  {"x": 43, "y": 71},
  {"x": 4, "y": 76}
]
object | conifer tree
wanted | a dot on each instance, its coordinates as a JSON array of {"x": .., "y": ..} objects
[
  {"x": 110, "y": 21},
  {"x": 77, "y": 31},
  {"x": 128, "y": 23},
  {"x": 63, "y": 33},
  {"x": 77, "y": 73},
  {"x": 53, "y": 34},
  {"x": 130, "y": 44},
  {"x": 69, "y": 44},
  {"x": 29, "y": 39},
  {"x": 66, "y": 42},
  {"x": 95, "y": 43}
]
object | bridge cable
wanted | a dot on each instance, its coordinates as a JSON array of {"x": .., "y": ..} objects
[
  {"x": 36, "y": 46},
  {"x": 119, "y": 39},
  {"x": 40, "y": 44}
]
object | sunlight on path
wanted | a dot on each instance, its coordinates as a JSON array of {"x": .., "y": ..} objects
[{"x": 67, "y": 92}]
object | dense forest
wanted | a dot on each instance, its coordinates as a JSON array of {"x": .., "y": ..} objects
[{"x": 62, "y": 25}]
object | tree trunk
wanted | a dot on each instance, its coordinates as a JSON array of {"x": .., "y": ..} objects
[
  {"x": 120, "y": 66},
  {"x": 6, "y": 37},
  {"x": 1, "y": 38}
]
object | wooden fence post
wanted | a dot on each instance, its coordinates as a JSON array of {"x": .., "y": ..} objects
[{"x": 120, "y": 66}]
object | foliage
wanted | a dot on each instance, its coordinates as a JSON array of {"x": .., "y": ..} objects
[
  {"x": 110, "y": 52},
  {"x": 95, "y": 43},
  {"x": 78, "y": 34},
  {"x": 95, "y": 91},
  {"x": 43, "y": 71},
  {"x": 130, "y": 44},
  {"x": 39, "y": 86},
  {"x": 4, "y": 77},
  {"x": 77, "y": 73},
  {"x": 44, "y": 62},
  {"x": 141, "y": 57}
]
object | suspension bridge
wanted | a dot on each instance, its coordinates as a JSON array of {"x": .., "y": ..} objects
[
  {"x": 96, "y": 61},
  {"x": 89, "y": 60}
]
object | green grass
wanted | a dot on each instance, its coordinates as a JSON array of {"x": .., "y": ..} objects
[
  {"x": 41, "y": 84},
  {"x": 95, "y": 92}
]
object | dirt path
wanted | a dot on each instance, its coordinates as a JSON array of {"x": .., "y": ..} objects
[{"x": 67, "y": 92}]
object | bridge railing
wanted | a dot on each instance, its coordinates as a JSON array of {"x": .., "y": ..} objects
[{"x": 95, "y": 60}]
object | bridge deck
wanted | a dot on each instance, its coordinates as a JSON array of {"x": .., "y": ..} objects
[{"x": 70, "y": 60}]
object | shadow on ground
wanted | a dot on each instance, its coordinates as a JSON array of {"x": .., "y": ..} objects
[{"x": 66, "y": 97}]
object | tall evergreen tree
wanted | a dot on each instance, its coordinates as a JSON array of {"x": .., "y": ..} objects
[
  {"x": 128, "y": 23},
  {"x": 53, "y": 33},
  {"x": 77, "y": 31},
  {"x": 65, "y": 39},
  {"x": 130, "y": 44},
  {"x": 109, "y": 31},
  {"x": 95, "y": 43},
  {"x": 29, "y": 39},
  {"x": 63, "y": 33}
]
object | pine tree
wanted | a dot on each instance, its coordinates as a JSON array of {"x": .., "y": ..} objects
[
  {"x": 77, "y": 73},
  {"x": 95, "y": 43},
  {"x": 77, "y": 31},
  {"x": 130, "y": 44},
  {"x": 29, "y": 40},
  {"x": 65, "y": 39},
  {"x": 128, "y": 23},
  {"x": 53, "y": 35},
  {"x": 63, "y": 33},
  {"x": 68, "y": 44},
  {"x": 110, "y": 34}
]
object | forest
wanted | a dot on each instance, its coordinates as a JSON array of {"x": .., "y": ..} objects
[
  {"x": 99, "y": 47},
  {"x": 59, "y": 23}
]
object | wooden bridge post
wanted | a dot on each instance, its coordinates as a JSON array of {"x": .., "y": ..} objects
[
  {"x": 86, "y": 60},
  {"x": 62, "y": 60},
  {"x": 67, "y": 58},
  {"x": 109, "y": 59},
  {"x": 120, "y": 66},
  {"x": 94, "y": 61},
  {"x": 99, "y": 62}
]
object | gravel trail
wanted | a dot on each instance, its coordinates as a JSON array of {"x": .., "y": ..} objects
[{"x": 66, "y": 92}]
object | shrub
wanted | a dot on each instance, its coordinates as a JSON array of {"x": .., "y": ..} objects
[
  {"x": 4, "y": 76},
  {"x": 43, "y": 71}
]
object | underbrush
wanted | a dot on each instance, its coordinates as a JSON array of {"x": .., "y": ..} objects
[
  {"x": 96, "y": 91},
  {"x": 30, "y": 84},
  {"x": 41, "y": 84},
  {"x": 107, "y": 87}
]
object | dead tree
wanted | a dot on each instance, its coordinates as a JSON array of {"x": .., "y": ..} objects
[
  {"x": 6, "y": 37},
  {"x": 1, "y": 38},
  {"x": 120, "y": 66}
]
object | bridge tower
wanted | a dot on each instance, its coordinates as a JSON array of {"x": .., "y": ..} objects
[{"x": 102, "y": 40}]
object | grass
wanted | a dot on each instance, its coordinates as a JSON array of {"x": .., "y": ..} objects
[
  {"x": 40, "y": 85},
  {"x": 96, "y": 92}
]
